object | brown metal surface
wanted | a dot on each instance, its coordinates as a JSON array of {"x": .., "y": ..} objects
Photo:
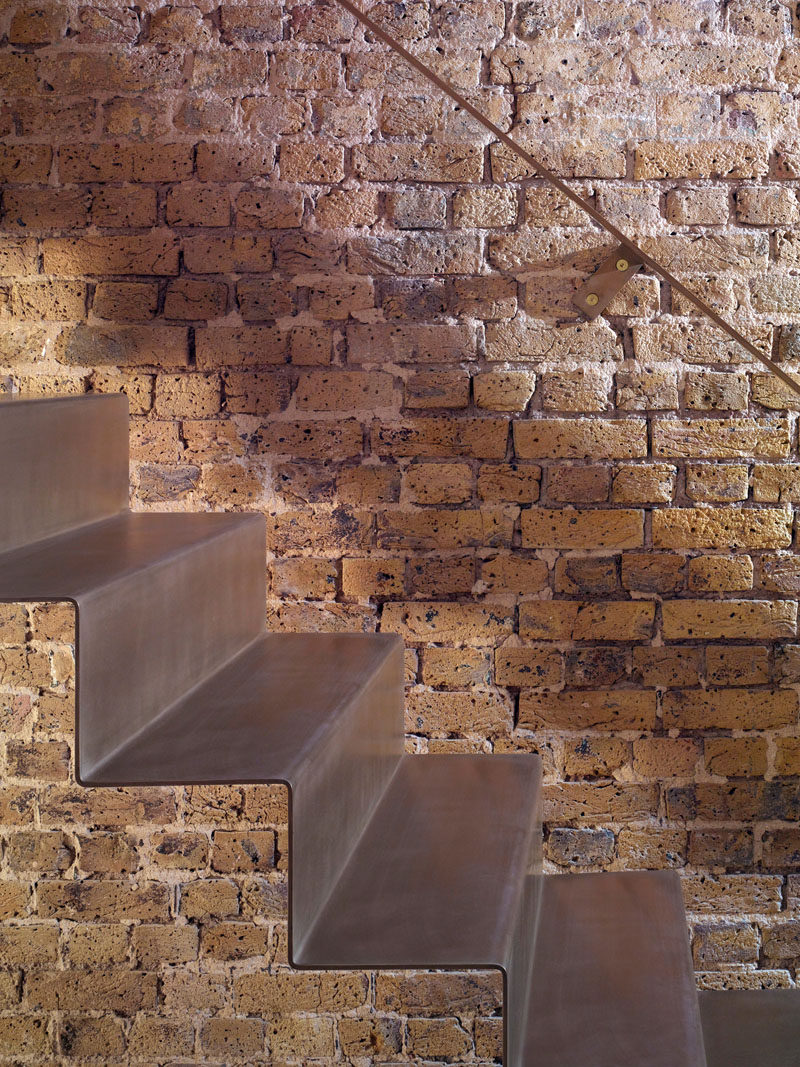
[
  {"x": 162, "y": 602},
  {"x": 751, "y": 1027},
  {"x": 597, "y": 293},
  {"x": 539, "y": 168},
  {"x": 63, "y": 463},
  {"x": 613, "y": 984}
]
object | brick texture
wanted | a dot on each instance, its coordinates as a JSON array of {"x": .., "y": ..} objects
[{"x": 290, "y": 254}]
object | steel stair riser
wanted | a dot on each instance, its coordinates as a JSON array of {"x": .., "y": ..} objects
[
  {"x": 70, "y": 465},
  {"x": 338, "y": 786},
  {"x": 160, "y": 634}
]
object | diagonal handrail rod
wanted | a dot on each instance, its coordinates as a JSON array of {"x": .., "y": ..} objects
[{"x": 554, "y": 180}]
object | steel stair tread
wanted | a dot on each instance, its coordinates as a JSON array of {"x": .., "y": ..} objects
[
  {"x": 257, "y": 718},
  {"x": 613, "y": 984},
  {"x": 437, "y": 876},
  {"x": 73, "y": 564},
  {"x": 749, "y": 1027}
]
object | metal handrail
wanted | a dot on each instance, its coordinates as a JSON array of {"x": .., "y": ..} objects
[{"x": 545, "y": 172}]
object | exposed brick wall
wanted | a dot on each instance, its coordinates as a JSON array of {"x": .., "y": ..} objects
[{"x": 291, "y": 256}]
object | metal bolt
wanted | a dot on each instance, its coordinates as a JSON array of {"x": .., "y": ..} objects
[
  {"x": 592, "y": 299},
  {"x": 622, "y": 264}
]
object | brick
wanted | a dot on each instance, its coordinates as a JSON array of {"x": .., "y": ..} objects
[
  {"x": 314, "y": 992},
  {"x": 722, "y": 528},
  {"x": 447, "y": 623},
  {"x": 25, "y": 1035},
  {"x": 226, "y": 162},
  {"x": 306, "y": 439},
  {"x": 578, "y": 528},
  {"x": 436, "y": 389},
  {"x": 118, "y": 990},
  {"x": 312, "y": 163},
  {"x": 87, "y": 1036},
  {"x": 512, "y": 483},
  {"x": 25, "y": 163},
  {"x": 478, "y": 713},
  {"x": 565, "y": 620},
  {"x": 504, "y": 391},
  {"x": 483, "y": 438},
  {"x": 485, "y": 207},
  {"x": 717, "y": 483},
  {"x": 233, "y": 851},
  {"x": 580, "y": 848},
  {"x": 591, "y": 575},
  {"x": 653, "y": 483},
  {"x": 314, "y": 579},
  {"x": 440, "y": 528},
  {"x": 737, "y": 665},
  {"x": 736, "y": 757},
  {"x": 161, "y": 944},
  {"x": 787, "y": 756},
  {"x": 345, "y": 390},
  {"x": 720, "y": 574},
  {"x": 435, "y": 577},
  {"x": 254, "y": 393},
  {"x": 152, "y": 253},
  {"x": 125, "y": 301},
  {"x": 410, "y": 343},
  {"x": 613, "y": 709},
  {"x": 151, "y": 1035},
  {"x": 781, "y": 850},
  {"x": 596, "y": 666},
  {"x": 107, "y": 853},
  {"x": 721, "y": 849},
  {"x": 749, "y": 619},
  {"x": 580, "y": 438},
  {"x": 454, "y": 668},
  {"x": 528, "y": 666},
  {"x": 512, "y": 574},
  {"x": 438, "y": 483},
  {"x": 688, "y": 207},
  {"x": 211, "y": 898},
  {"x": 593, "y": 802},
  {"x": 92, "y": 899},
  {"x": 235, "y": 941},
  {"x": 295, "y": 531},
  {"x": 438, "y": 994},
  {"x": 187, "y": 395},
  {"x": 189, "y": 299},
  {"x": 711, "y": 159},
  {"x": 581, "y": 390},
  {"x": 730, "y": 709},
  {"x": 232, "y": 1037}
]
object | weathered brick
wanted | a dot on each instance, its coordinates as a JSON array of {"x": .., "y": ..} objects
[
  {"x": 564, "y": 620},
  {"x": 613, "y": 709},
  {"x": 577, "y": 528},
  {"x": 722, "y": 528},
  {"x": 580, "y": 438}
]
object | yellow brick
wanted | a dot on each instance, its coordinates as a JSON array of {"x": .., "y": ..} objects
[
  {"x": 570, "y": 620},
  {"x": 528, "y": 667},
  {"x": 665, "y": 757},
  {"x": 720, "y": 574},
  {"x": 653, "y": 483},
  {"x": 438, "y": 483},
  {"x": 736, "y": 757},
  {"x": 722, "y": 528},
  {"x": 720, "y": 438},
  {"x": 730, "y": 709},
  {"x": 574, "y": 528},
  {"x": 455, "y": 668},
  {"x": 749, "y": 619},
  {"x": 513, "y": 574},
  {"x": 581, "y": 438},
  {"x": 472, "y": 624},
  {"x": 484, "y": 713},
  {"x": 613, "y": 709},
  {"x": 370, "y": 577}
]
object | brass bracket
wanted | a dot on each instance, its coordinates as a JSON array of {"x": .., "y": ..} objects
[{"x": 595, "y": 296}]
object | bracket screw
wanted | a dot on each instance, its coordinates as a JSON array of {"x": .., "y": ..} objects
[
  {"x": 622, "y": 264},
  {"x": 592, "y": 299}
]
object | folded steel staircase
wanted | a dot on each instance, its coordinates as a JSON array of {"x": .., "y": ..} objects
[{"x": 396, "y": 861}]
